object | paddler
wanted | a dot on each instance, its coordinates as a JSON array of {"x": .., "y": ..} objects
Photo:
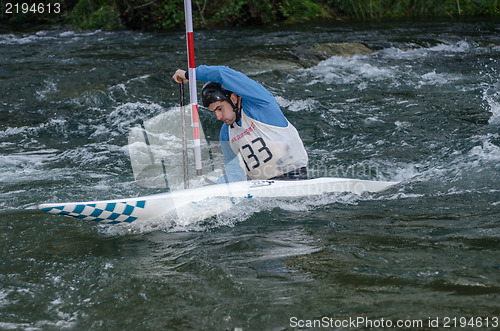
[{"x": 254, "y": 127}]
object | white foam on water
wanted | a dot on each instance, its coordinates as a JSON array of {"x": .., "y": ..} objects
[
  {"x": 340, "y": 70},
  {"x": 297, "y": 105},
  {"x": 53, "y": 124},
  {"x": 435, "y": 79},
  {"x": 125, "y": 115},
  {"x": 461, "y": 46},
  {"x": 468, "y": 171},
  {"x": 12, "y": 39},
  {"x": 25, "y": 166},
  {"x": 492, "y": 97},
  {"x": 44, "y": 36},
  {"x": 50, "y": 87},
  {"x": 486, "y": 150},
  {"x": 418, "y": 53},
  {"x": 227, "y": 212},
  {"x": 403, "y": 172}
]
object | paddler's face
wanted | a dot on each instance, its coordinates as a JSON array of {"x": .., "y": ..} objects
[{"x": 224, "y": 111}]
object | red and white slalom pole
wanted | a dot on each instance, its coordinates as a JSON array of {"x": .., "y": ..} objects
[{"x": 192, "y": 86}]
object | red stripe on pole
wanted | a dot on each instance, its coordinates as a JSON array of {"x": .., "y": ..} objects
[
  {"x": 196, "y": 132},
  {"x": 195, "y": 114},
  {"x": 190, "y": 49}
]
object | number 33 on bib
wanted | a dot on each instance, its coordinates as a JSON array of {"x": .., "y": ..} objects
[{"x": 267, "y": 151}]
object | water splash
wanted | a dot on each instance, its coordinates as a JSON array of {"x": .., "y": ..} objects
[
  {"x": 340, "y": 70},
  {"x": 219, "y": 212},
  {"x": 436, "y": 79},
  {"x": 50, "y": 87},
  {"x": 492, "y": 98},
  {"x": 297, "y": 105}
]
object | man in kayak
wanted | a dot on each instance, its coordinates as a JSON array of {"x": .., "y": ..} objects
[{"x": 254, "y": 126}]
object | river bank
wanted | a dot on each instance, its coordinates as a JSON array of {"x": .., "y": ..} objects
[{"x": 166, "y": 15}]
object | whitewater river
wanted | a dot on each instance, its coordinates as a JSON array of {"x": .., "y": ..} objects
[{"x": 422, "y": 109}]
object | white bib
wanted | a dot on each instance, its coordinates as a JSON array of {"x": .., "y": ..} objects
[{"x": 266, "y": 151}]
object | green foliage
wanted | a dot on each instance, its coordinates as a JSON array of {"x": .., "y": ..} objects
[
  {"x": 95, "y": 14},
  {"x": 301, "y": 10},
  {"x": 169, "y": 14},
  {"x": 379, "y": 9},
  {"x": 235, "y": 12}
]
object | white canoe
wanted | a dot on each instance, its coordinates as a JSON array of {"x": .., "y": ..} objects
[{"x": 184, "y": 202}]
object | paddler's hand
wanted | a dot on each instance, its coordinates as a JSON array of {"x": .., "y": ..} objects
[{"x": 180, "y": 76}]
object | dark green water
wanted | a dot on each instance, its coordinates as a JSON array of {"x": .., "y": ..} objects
[{"x": 423, "y": 109}]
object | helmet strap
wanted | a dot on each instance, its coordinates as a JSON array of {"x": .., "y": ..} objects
[{"x": 236, "y": 108}]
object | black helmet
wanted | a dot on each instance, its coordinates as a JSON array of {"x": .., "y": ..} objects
[{"x": 213, "y": 92}]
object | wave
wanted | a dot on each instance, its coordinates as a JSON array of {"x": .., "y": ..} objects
[
  {"x": 297, "y": 105},
  {"x": 417, "y": 52},
  {"x": 46, "y": 35},
  {"x": 339, "y": 70},
  {"x": 491, "y": 96},
  {"x": 388, "y": 66},
  {"x": 394, "y": 65},
  {"x": 436, "y": 79},
  {"x": 27, "y": 132}
]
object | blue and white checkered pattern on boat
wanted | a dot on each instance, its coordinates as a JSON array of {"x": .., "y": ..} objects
[{"x": 110, "y": 213}]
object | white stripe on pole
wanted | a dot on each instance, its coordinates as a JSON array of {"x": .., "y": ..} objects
[{"x": 192, "y": 85}]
